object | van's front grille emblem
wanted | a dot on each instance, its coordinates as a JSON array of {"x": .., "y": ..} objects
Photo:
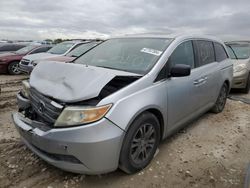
[{"x": 41, "y": 107}]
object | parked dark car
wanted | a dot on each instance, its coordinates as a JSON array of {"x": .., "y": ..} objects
[
  {"x": 9, "y": 47},
  {"x": 9, "y": 61}
]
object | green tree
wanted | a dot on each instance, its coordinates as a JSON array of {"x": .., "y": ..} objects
[{"x": 56, "y": 41}]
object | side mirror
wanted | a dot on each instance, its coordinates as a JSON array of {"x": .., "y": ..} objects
[{"x": 180, "y": 70}]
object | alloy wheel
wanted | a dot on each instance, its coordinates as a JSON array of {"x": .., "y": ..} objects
[{"x": 143, "y": 143}]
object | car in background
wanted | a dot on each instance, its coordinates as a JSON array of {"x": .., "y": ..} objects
[
  {"x": 239, "y": 52},
  {"x": 77, "y": 52},
  {"x": 10, "y": 47},
  {"x": 9, "y": 62},
  {"x": 114, "y": 104},
  {"x": 28, "y": 62}
]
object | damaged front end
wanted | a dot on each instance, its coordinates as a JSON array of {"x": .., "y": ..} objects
[
  {"x": 42, "y": 111},
  {"x": 39, "y": 102}
]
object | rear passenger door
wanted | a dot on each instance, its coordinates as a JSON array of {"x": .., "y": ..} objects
[{"x": 208, "y": 67}]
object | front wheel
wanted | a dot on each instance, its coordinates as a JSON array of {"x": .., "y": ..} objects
[
  {"x": 221, "y": 100},
  {"x": 140, "y": 143},
  {"x": 13, "y": 68}
]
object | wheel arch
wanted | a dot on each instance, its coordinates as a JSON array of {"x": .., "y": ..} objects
[
  {"x": 155, "y": 111},
  {"x": 11, "y": 61}
]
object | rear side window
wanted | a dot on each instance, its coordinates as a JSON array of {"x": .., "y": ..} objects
[
  {"x": 220, "y": 52},
  {"x": 183, "y": 54},
  {"x": 204, "y": 51}
]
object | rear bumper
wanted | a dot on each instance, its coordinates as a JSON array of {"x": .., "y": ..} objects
[
  {"x": 240, "y": 79},
  {"x": 89, "y": 149}
]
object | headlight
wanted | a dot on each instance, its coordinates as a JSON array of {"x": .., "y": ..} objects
[
  {"x": 26, "y": 88},
  {"x": 34, "y": 63},
  {"x": 238, "y": 68},
  {"x": 81, "y": 115}
]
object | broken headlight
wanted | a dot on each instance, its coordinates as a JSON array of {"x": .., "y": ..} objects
[
  {"x": 26, "y": 88},
  {"x": 81, "y": 115}
]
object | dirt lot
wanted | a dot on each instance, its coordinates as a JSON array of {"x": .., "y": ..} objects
[{"x": 212, "y": 152}]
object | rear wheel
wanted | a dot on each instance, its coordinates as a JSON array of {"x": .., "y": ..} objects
[
  {"x": 13, "y": 68},
  {"x": 246, "y": 89},
  {"x": 140, "y": 143},
  {"x": 221, "y": 100}
]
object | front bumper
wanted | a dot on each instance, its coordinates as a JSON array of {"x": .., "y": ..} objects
[
  {"x": 25, "y": 68},
  {"x": 88, "y": 149},
  {"x": 240, "y": 79},
  {"x": 3, "y": 67}
]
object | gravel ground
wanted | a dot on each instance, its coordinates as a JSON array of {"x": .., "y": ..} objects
[{"x": 213, "y": 151}]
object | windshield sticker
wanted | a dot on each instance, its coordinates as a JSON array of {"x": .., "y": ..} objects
[{"x": 151, "y": 51}]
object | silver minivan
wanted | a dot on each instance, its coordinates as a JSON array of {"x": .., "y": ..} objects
[{"x": 113, "y": 105}]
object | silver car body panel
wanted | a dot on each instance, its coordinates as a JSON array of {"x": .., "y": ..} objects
[{"x": 176, "y": 100}]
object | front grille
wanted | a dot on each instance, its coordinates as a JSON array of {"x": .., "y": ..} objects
[
  {"x": 25, "y": 61},
  {"x": 44, "y": 108}
]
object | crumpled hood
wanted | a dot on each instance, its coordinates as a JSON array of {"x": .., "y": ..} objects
[
  {"x": 40, "y": 56},
  {"x": 69, "y": 82}
]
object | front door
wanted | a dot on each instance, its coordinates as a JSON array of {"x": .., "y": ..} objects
[{"x": 184, "y": 93}]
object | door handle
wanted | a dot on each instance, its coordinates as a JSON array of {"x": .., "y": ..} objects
[{"x": 200, "y": 80}]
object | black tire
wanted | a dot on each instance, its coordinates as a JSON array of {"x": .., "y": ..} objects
[
  {"x": 246, "y": 89},
  {"x": 13, "y": 68},
  {"x": 221, "y": 100},
  {"x": 140, "y": 143}
]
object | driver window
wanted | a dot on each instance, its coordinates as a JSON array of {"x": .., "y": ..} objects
[{"x": 183, "y": 54}]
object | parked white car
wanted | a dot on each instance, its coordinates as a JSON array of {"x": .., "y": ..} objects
[{"x": 27, "y": 63}]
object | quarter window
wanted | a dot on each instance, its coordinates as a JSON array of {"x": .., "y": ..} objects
[
  {"x": 205, "y": 52},
  {"x": 220, "y": 52},
  {"x": 183, "y": 54}
]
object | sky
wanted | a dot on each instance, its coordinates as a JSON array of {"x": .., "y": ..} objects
[{"x": 42, "y": 19}]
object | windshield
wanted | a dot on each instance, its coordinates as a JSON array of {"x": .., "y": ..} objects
[
  {"x": 61, "y": 48},
  {"x": 239, "y": 51},
  {"x": 137, "y": 55},
  {"x": 25, "y": 50},
  {"x": 81, "y": 49}
]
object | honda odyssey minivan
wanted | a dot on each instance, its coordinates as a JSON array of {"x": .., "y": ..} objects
[{"x": 113, "y": 105}]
